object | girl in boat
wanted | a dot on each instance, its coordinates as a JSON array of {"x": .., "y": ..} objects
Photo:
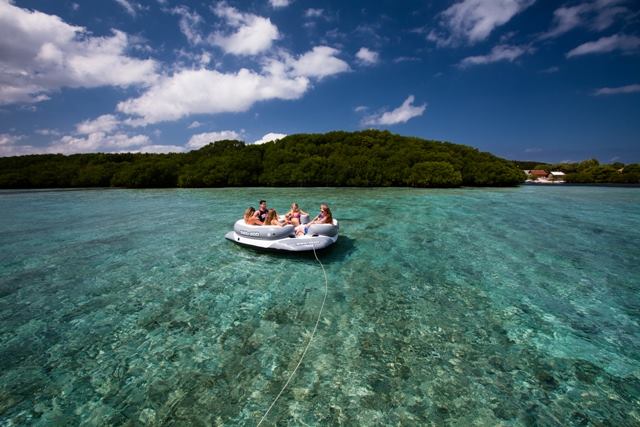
[
  {"x": 250, "y": 218},
  {"x": 294, "y": 215},
  {"x": 324, "y": 217}
]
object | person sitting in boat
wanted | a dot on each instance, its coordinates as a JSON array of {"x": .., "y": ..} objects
[
  {"x": 324, "y": 217},
  {"x": 294, "y": 215},
  {"x": 272, "y": 218},
  {"x": 250, "y": 217},
  {"x": 261, "y": 213}
]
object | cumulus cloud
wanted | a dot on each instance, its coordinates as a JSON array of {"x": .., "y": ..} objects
[
  {"x": 10, "y": 146},
  {"x": 41, "y": 53},
  {"x": 271, "y": 136},
  {"x": 189, "y": 24},
  {"x": 634, "y": 88},
  {"x": 472, "y": 21},
  {"x": 498, "y": 53},
  {"x": 194, "y": 124},
  {"x": 597, "y": 15},
  {"x": 402, "y": 114},
  {"x": 97, "y": 141},
  {"x": 251, "y": 34},
  {"x": 367, "y": 57},
  {"x": 279, "y": 3},
  {"x": 205, "y": 91},
  {"x": 202, "y": 139},
  {"x": 8, "y": 139},
  {"x": 617, "y": 42},
  {"x": 209, "y": 92},
  {"x": 105, "y": 123},
  {"x": 320, "y": 62}
]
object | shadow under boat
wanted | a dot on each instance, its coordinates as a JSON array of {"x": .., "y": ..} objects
[{"x": 338, "y": 251}]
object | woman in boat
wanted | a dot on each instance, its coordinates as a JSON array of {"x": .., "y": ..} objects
[
  {"x": 294, "y": 215},
  {"x": 324, "y": 217},
  {"x": 272, "y": 218},
  {"x": 250, "y": 218}
]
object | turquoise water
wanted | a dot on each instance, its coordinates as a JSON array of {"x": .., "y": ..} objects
[{"x": 445, "y": 307}]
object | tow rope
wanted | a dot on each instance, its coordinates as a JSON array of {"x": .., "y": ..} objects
[{"x": 326, "y": 290}]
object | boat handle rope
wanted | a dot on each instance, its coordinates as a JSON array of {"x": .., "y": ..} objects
[{"x": 326, "y": 291}]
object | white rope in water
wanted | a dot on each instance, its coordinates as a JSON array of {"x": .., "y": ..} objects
[{"x": 326, "y": 290}]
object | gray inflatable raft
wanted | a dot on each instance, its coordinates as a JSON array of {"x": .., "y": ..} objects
[{"x": 318, "y": 236}]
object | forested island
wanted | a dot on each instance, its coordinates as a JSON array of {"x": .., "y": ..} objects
[
  {"x": 360, "y": 159},
  {"x": 590, "y": 171}
]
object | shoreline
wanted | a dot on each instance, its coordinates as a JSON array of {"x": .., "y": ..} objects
[
  {"x": 7, "y": 191},
  {"x": 581, "y": 184}
]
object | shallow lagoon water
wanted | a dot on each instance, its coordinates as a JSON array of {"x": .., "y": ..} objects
[{"x": 446, "y": 307}]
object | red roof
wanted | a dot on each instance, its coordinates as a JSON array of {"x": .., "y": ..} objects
[{"x": 538, "y": 172}]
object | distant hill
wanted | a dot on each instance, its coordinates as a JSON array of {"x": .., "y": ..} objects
[{"x": 368, "y": 158}]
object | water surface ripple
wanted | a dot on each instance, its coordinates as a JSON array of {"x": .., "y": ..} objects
[{"x": 446, "y": 307}]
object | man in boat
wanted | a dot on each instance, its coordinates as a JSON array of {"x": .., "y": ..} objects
[{"x": 261, "y": 213}]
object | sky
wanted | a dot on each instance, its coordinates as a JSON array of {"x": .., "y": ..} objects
[{"x": 536, "y": 80}]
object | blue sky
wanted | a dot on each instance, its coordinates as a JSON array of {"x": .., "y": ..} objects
[{"x": 523, "y": 79}]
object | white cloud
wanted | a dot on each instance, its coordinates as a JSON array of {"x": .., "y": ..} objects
[
  {"x": 205, "y": 58},
  {"x": 279, "y": 3},
  {"x": 402, "y": 114},
  {"x": 253, "y": 34},
  {"x": 597, "y": 15},
  {"x": 97, "y": 141},
  {"x": 41, "y": 53},
  {"x": 565, "y": 19},
  {"x": 9, "y": 145},
  {"x": 271, "y": 136},
  {"x": 367, "y": 56},
  {"x": 472, "y": 21},
  {"x": 320, "y": 62},
  {"x": 202, "y": 139},
  {"x": 189, "y": 23},
  {"x": 105, "y": 123},
  {"x": 607, "y": 44},
  {"x": 130, "y": 8},
  {"x": 313, "y": 13},
  {"x": 498, "y": 53},
  {"x": 195, "y": 124},
  {"x": 8, "y": 139},
  {"x": 634, "y": 88},
  {"x": 204, "y": 91},
  {"x": 48, "y": 132},
  {"x": 209, "y": 92},
  {"x": 360, "y": 108}
]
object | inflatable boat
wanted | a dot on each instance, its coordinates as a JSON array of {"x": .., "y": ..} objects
[{"x": 318, "y": 236}]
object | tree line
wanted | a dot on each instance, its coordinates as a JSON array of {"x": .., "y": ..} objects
[
  {"x": 591, "y": 171},
  {"x": 360, "y": 159}
]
